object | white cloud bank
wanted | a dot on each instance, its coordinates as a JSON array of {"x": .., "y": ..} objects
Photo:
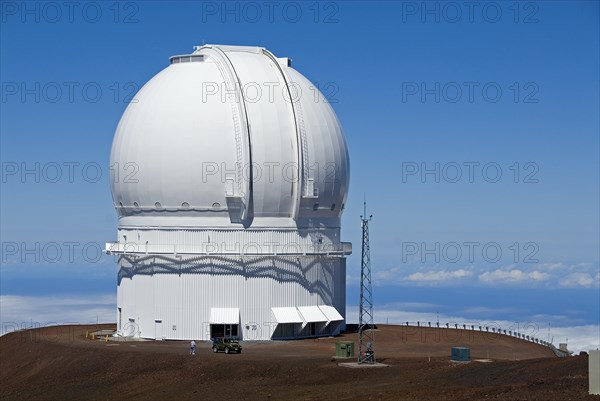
[
  {"x": 513, "y": 276},
  {"x": 27, "y": 311},
  {"x": 550, "y": 275},
  {"x": 440, "y": 275},
  {"x": 397, "y": 276},
  {"x": 580, "y": 280}
]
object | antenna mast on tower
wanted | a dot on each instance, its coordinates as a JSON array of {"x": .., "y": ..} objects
[{"x": 366, "y": 333}]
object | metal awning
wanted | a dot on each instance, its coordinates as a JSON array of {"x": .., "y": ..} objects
[
  {"x": 224, "y": 315},
  {"x": 312, "y": 314},
  {"x": 287, "y": 315},
  {"x": 331, "y": 313}
]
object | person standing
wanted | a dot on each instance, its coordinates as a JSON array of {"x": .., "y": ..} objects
[{"x": 193, "y": 347}]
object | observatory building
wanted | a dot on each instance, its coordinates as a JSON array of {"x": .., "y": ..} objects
[{"x": 229, "y": 176}]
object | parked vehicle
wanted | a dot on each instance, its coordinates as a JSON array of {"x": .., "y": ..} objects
[{"x": 226, "y": 345}]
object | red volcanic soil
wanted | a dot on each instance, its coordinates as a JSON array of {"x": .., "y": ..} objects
[{"x": 59, "y": 363}]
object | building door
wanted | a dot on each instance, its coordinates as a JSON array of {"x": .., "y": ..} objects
[
  {"x": 158, "y": 329},
  {"x": 119, "y": 326},
  {"x": 312, "y": 329},
  {"x": 130, "y": 328},
  {"x": 223, "y": 330}
]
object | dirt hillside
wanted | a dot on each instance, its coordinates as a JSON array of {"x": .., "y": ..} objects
[{"x": 59, "y": 363}]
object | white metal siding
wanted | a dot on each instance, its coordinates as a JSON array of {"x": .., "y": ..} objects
[
  {"x": 183, "y": 296},
  {"x": 234, "y": 242}
]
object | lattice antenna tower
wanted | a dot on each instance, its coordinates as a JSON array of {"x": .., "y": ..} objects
[{"x": 366, "y": 332}]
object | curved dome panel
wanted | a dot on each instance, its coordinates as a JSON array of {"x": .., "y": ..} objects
[
  {"x": 226, "y": 137},
  {"x": 168, "y": 143},
  {"x": 272, "y": 130},
  {"x": 328, "y": 163}
]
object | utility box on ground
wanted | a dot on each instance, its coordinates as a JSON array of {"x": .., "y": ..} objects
[
  {"x": 461, "y": 354},
  {"x": 344, "y": 349},
  {"x": 594, "y": 372}
]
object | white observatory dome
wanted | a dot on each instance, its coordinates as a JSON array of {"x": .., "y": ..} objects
[
  {"x": 228, "y": 135},
  {"x": 229, "y": 176}
]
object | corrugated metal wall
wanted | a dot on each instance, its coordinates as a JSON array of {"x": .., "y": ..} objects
[{"x": 179, "y": 292}]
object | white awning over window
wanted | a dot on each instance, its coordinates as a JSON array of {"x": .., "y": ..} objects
[
  {"x": 312, "y": 314},
  {"x": 331, "y": 313},
  {"x": 287, "y": 315},
  {"x": 224, "y": 315}
]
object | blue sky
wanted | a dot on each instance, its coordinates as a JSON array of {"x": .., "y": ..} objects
[{"x": 466, "y": 94}]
